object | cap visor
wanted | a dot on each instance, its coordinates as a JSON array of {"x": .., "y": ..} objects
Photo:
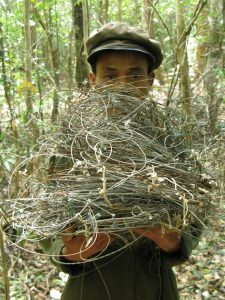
[{"x": 119, "y": 46}]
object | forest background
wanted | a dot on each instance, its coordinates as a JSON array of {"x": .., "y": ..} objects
[{"x": 43, "y": 67}]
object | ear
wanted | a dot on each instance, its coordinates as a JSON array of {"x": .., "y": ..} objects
[
  {"x": 151, "y": 77},
  {"x": 92, "y": 78}
]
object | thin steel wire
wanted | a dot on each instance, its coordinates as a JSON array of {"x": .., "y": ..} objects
[{"x": 114, "y": 162}]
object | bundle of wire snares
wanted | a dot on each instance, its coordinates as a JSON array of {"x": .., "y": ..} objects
[{"x": 115, "y": 161}]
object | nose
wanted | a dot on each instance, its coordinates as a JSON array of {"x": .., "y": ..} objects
[{"x": 123, "y": 80}]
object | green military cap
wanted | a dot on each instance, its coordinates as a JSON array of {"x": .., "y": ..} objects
[{"x": 121, "y": 36}]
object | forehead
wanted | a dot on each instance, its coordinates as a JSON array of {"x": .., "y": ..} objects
[{"x": 121, "y": 59}]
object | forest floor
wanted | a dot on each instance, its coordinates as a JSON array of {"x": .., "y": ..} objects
[{"x": 32, "y": 277}]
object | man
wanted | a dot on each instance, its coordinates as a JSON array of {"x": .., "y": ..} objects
[{"x": 118, "y": 55}]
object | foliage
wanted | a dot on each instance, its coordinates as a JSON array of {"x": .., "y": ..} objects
[{"x": 54, "y": 56}]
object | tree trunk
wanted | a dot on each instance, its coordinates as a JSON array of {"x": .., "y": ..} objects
[
  {"x": 28, "y": 71},
  {"x": 4, "y": 75},
  {"x": 148, "y": 14},
  {"x": 85, "y": 27},
  {"x": 103, "y": 11},
  {"x": 81, "y": 63},
  {"x": 54, "y": 49},
  {"x": 202, "y": 29},
  {"x": 5, "y": 274},
  {"x": 120, "y": 10},
  {"x": 182, "y": 60},
  {"x": 6, "y": 85},
  {"x": 70, "y": 63},
  {"x": 214, "y": 62},
  {"x": 37, "y": 59},
  {"x": 54, "y": 54},
  {"x": 106, "y": 11},
  {"x": 28, "y": 59}
]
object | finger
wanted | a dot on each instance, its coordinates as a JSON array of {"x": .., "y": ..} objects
[
  {"x": 112, "y": 237},
  {"x": 106, "y": 240},
  {"x": 138, "y": 230},
  {"x": 105, "y": 237},
  {"x": 94, "y": 240},
  {"x": 67, "y": 234},
  {"x": 67, "y": 238},
  {"x": 99, "y": 241}
]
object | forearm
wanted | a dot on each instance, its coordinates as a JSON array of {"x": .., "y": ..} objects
[
  {"x": 78, "y": 248},
  {"x": 169, "y": 241},
  {"x": 166, "y": 239},
  {"x": 54, "y": 248}
]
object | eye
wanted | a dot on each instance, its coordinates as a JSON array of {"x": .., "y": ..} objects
[
  {"x": 135, "y": 77},
  {"x": 110, "y": 76}
]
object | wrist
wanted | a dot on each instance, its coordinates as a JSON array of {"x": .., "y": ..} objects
[{"x": 76, "y": 257}]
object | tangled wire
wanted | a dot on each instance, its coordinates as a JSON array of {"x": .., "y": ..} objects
[{"x": 113, "y": 162}]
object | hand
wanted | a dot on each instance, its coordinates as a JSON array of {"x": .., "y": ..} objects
[
  {"x": 78, "y": 248},
  {"x": 167, "y": 239}
]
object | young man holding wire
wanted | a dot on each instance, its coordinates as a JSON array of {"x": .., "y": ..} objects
[{"x": 119, "y": 55}]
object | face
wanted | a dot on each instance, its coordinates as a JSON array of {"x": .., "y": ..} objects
[{"x": 122, "y": 67}]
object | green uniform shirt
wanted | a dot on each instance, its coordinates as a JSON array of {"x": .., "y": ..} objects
[{"x": 139, "y": 272}]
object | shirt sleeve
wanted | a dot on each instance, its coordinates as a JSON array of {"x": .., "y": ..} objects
[
  {"x": 189, "y": 241},
  {"x": 53, "y": 248}
]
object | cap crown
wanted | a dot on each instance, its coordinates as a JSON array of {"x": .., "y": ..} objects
[{"x": 121, "y": 36}]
